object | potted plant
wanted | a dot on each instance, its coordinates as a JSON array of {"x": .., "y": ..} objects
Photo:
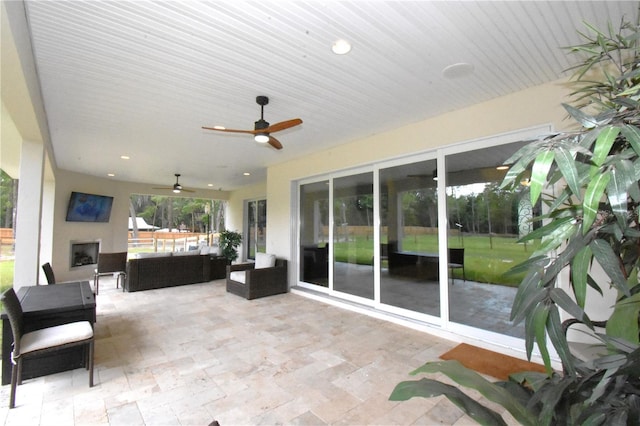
[
  {"x": 591, "y": 218},
  {"x": 229, "y": 243}
]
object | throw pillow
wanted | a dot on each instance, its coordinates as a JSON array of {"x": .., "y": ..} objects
[{"x": 265, "y": 260}]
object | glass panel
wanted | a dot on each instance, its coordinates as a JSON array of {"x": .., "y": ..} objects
[
  {"x": 261, "y": 228},
  {"x": 314, "y": 233},
  {"x": 251, "y": 226},
  {"x": 353, "y": 235},
  {"x": 484, "y": 226},
  {"x": 256, "y": 227},
  {"x": 409, "y": 237}
]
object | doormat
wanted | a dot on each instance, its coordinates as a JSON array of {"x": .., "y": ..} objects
[{"x": 488, "y": 362}]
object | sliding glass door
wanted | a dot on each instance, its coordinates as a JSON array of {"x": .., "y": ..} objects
[
  {"x": 409, "y": 237},
  {"x": 429, "y": 237},
  {"x": 485, "y": 223},
  {"x": 353, "y": 235},
  {"x": 314, "y": 233}
]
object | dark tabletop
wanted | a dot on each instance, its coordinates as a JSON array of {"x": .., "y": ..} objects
[{"x": 47, "y": 299}]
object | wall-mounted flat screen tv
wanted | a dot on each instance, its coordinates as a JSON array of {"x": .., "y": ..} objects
[{"x": 89, "y": 207}]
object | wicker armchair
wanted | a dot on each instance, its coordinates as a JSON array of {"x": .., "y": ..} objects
[{"x": 251, "y": 281}]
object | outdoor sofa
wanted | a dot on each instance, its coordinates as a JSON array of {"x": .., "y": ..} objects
[{"x": 158, "y": 270}]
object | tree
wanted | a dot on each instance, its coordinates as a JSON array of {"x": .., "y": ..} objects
[{"x": 8, "y": 199}]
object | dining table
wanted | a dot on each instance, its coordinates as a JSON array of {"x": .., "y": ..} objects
[{"x": 48, "y": 306}]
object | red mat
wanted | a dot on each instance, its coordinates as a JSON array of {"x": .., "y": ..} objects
[{"x": 488, "y": 362}]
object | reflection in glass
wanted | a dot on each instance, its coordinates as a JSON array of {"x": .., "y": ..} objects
[
  {"x": 314, "y": 233},
  {"x": 353, "y": 235},
  {"x": 485, "y": 223},
  {"x": 256, "y": 228},
  {"x": 409, "y": 237}
]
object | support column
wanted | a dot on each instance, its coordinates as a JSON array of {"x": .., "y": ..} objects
[{"x": 29, "y": 211}]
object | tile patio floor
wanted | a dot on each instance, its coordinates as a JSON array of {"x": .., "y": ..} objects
[{"x": 188, "y": 355}]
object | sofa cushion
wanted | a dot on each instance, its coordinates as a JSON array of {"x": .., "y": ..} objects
[
  {"x": 265, "y": 260},
  {"x": 149, "y": 255},
  {"x": 239, "y": 276},
  {"x": 186, "y": 253}
]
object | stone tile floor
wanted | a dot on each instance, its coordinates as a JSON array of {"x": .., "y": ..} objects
[{"x": 188, "y": 355}]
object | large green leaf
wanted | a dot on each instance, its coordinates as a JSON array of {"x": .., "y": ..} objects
[
  {"x": 539, "y": 321},
  {"x": 428, "y": 388},
  {"x": 559, "y": 340},
  {"x": 632, "y": 134},
  {"x": 592, "y": 197},
  {"x": 519, "y": 162},
  {"x": 603, "y": 144},
  {"x": 610, "y": 263},
  {"x": 620, "y": 323},
  {"x": 563, "y": 300},
  {"x": 566, "y": 164},
  {"x": 546, "y": 229},
  {"x": 585, "y": 120},
  {"x": 622, "y": 178},
  {"x": 579, "y": 270},
  {"x": 470, "y": 379},
  {"x": 557, "y": 237},
  {"x": 539, "y": 173},
  {"x": 528, "y": 302},
  {"x": 576, "y": 242}
]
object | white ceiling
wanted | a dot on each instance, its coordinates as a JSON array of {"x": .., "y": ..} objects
[{"x": 140, "y": 78}]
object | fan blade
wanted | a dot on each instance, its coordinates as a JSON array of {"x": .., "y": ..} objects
[
  {"x": 164, "y": 187},
  {"x": 283, "y": 125},
  {"x": 187, "y": 190},
  {"x": 251, "y": 132},
  {"x": 274, "y": 142}
]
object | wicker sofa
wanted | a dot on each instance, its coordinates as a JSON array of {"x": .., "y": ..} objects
[
  {"x": 266, "y": 277},
  {"x": 168, "y": 270}
]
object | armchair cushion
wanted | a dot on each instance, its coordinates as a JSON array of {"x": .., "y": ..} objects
[{"x": 238, "y": 276}]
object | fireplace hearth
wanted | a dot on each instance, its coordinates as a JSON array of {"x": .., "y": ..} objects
[{"x": 84, "y": 253}]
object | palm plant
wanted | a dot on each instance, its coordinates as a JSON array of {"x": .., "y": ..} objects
[
  {"x": 229, "y": 243},
  {"x": 588, "y": 182}
]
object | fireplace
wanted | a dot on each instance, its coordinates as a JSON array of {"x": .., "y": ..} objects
[{"x": 84, "y": 253}]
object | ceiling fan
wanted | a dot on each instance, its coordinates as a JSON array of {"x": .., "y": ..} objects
[
  {"x": 177, "y": 188},
  {"x": 262, "y": 130}
]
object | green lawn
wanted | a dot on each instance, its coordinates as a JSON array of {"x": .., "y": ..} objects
[
  {"x": 6, "y": 275},
  {"x": 486, "y": 260}
]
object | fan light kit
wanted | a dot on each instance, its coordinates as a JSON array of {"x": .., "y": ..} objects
[
  {"x": 262, "y": 129},
  {"x": 176, "y": 188},
  {"x": 261, "y": 138}
]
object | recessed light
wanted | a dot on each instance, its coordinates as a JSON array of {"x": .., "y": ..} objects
[
  {"x": 459, "y": 70},
  {"x": 247, "y": 174},
  {"x": 504, "y": 167},
  {"x": 110, "y": 174},
  {"x": 125, "y": 157},
  {"x": 341, "y": 47},
  {"x": 209, "y": 184}
]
